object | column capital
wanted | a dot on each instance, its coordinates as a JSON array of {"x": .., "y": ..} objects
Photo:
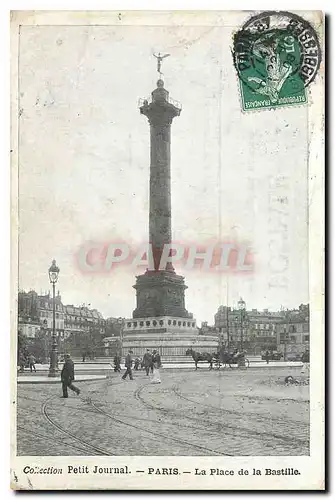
[{"x": 160, "y": 114}]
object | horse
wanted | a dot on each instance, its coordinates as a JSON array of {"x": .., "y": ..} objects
[{"x": 201, "y": 356}]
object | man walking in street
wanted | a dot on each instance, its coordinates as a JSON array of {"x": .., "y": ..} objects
[
  {"x": 22, "y": 362},
  {"x": 147, "y": 361},
  {"x": 67, "y": 377},
  {"x": 267, "y": 357},
  {"x": 32, "y": 362},
  {"x": 117, "y": 363},
  {"x": 128, "y": 364}
]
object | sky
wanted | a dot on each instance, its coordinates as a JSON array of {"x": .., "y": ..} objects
[{"x": 84, "y": 165}]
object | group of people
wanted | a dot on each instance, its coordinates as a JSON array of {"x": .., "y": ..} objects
[
  {"x": 27, "y": 360},
  {"x": 151, "y": 362}
]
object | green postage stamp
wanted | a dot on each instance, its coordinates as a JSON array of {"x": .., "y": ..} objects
[{"x": 276, "y": 55}]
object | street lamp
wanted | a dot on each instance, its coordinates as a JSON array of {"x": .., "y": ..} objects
[
  {"x": 53, "y": 277},
  {"x": 121, "y": 323},
  {"x": 228, "y": 336},
  {"x": 242, "y": 308},
  {"x": 44, "y": 331},
  {"x": 286, "y": 332}
]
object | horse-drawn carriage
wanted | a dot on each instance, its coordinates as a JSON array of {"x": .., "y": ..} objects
[{"x": 221, "y": 358}]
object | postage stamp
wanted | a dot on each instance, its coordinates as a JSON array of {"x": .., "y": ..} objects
[
  {"x": 276, "y": 55},
  {"x": 167, "y": 251}
]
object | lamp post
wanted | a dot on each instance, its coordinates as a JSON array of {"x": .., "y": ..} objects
[
  {"x": 44, "y": 331},
  {"x": 286, "y": 333},
  {"x": 242, "y": 308},
  {"x": 121, "y": 323},
  {"x": 228, "y": 337},
  {"x": 53, "y": 277}
]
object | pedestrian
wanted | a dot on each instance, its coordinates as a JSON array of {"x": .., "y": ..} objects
[
  {"x": 147, "y": 361},
  {"x": 117, "y": 363},
  {"x": 305, "y": 356},
  {"x": 67, "y": 376},
  {"x": 305, "y": 361},
  {"x": 137, "y": 363},
  {"x": 84, "y": 356},
  {"x": 32, "y": 361},
  {"x": 156, "y": 360},
  {"x": 128, "y": 364},
  {"x": 22, "y": 362},
  {"x": 267, "y": 357}
]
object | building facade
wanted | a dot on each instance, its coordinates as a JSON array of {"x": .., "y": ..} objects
[
  {"x": 293, "y": 333},
  {"x": 36, "y": 312},
  {"x": 258, "y": 331},
  {"x": 77, "y": 328},
  {"x": 82, "y": 320}
]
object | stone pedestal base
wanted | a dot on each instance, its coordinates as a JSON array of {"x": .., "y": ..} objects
[
  {"x": 170, "y": 336},
  {"x": 160, "y": 293}
]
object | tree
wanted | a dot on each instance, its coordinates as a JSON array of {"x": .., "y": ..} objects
[{"x": 21, "y": 343}]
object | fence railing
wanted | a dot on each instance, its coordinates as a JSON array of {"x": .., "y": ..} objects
[{"x": 149, "y": 100}]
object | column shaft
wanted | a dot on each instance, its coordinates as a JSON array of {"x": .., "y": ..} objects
[{"x": 160, "y": 189}]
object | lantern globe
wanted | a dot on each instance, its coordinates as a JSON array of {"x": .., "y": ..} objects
[
  {"x": 53, "y": 272},
  {"x": 241, "y": 304}
]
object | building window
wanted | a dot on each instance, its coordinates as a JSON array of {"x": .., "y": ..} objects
[
  {"x": 169, "y": 322},
  {"x": 306, "y": 338},
  {"x": 147, "y": 323},
  {"x": 161, "y": 322},
  {"x": 128, "y": 325},
  {"x": 188, "y": 324},
  {"x": 141, "y": 323},
  {"x": 193, "y": 324},
  {"x": 135, "y": 324},
  {"x": 184, "y": 323},
  {"x": 174, "y": 322},
  {"x": 154, "y": 322}
]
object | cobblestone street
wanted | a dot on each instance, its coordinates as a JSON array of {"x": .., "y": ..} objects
[{"x": 227, "y": 412}]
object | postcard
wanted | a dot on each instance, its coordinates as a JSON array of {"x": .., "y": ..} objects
[{"x": 167, "y": 211}]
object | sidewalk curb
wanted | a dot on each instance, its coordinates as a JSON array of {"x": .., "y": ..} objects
[
  {"x": 42, "y": 378},
  {"x": 56, "y": 380}
]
